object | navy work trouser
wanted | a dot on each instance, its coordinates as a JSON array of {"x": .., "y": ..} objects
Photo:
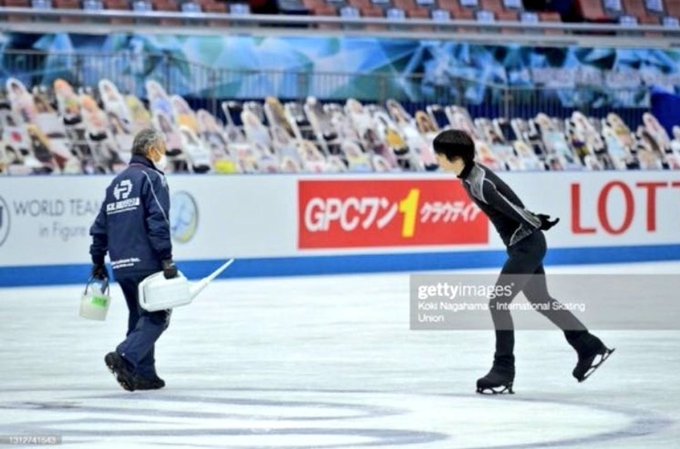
[{"x": 144, "y": 329}]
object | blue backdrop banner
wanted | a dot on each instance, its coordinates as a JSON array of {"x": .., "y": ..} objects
[{"x": 341, "y": 67}]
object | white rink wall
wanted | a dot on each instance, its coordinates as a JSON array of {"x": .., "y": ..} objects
[{"x": 285, "y": 224}]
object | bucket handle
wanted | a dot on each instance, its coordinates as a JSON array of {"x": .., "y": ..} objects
[{"x": 105, "y": 284}]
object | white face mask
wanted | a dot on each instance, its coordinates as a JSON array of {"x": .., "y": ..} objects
[{"x": 162, "y": 163}]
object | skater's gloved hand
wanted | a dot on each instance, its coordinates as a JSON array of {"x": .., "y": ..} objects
[
  {"x": 169, "y": 269},
  {"x": 99, "y": 272},
  {"x": 546, "y": 222}
]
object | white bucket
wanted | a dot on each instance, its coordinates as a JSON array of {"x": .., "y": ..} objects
[{"x": 95, "y": 302}]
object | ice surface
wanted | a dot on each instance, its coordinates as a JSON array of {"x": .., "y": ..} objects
[{"x": 325, "y": 362}]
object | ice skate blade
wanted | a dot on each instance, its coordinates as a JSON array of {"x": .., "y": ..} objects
[
  {"x": 595, "y": 366},
  {"x": 503, "y": 389}
]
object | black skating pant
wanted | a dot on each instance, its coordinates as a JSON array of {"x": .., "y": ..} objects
[{"x": 523, "y": 272}]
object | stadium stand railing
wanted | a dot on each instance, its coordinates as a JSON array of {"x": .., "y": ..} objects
[
  {"x": 207, "y": 86},
  {"x": 389, "y": 17},
  {"x": 77, "y": 113}
]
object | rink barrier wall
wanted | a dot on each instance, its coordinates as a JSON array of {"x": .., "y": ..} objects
[
  {"x": 304, "y": 225},
  {"x": 354, "y": 264}
]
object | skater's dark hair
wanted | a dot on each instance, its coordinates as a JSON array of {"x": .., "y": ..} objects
[
  {"x": 453, "y": 143},
  {"x": 144, "y": 140}
]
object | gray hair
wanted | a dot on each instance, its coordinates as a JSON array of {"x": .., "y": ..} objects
[{"x": 144, "y": 140}]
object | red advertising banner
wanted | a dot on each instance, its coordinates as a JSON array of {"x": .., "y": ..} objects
[
  {"x": 362, "y": 214},
  {"x": 618, "y": 203}
]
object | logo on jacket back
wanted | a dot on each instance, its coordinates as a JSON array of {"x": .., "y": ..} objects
[
  {"x": 4, "y": 220},
  {"x": 122, "y": 189},
  {"x": 123, "y": 203}
]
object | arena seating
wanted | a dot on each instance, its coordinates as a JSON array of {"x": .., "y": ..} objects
[
  {"x": 630, "y": 13},
  {"x": 483, "y": 11},
  {"x": 139, "y": 6},
  {"x": 60, "y": 129}
]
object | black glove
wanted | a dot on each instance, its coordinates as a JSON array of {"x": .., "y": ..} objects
[
  {"x": 99, "y": 272},
  {"x": 169, "y": 269},
  {"x": 546, "y": 222}
]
